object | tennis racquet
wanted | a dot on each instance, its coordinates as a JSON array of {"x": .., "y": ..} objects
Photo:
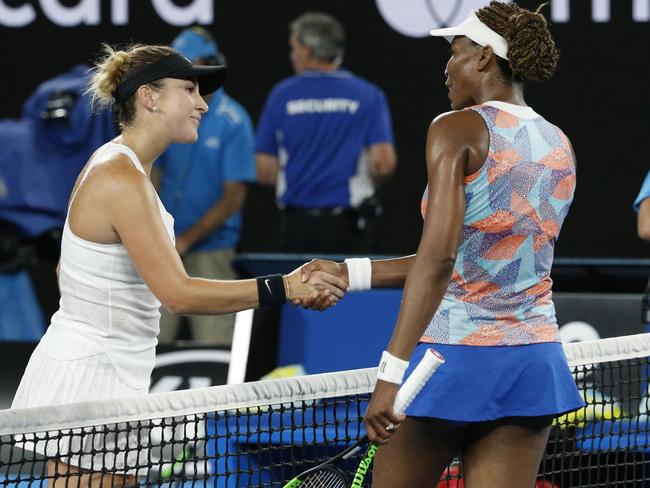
[{"x": 328, "y": 475}]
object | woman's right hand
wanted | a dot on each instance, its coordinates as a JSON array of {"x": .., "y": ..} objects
[
  {"x": 318, "y": 269},
  {"x": 318, "y": 291},
  {"x": 339, "y": 270}
]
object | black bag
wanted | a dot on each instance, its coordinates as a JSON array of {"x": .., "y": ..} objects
[{"x": 16, "y": 252}]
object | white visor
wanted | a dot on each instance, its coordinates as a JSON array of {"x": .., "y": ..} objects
[{"x": 478, "y": 32}]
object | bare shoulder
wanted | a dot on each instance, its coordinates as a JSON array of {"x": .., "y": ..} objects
[
  {"x": 464, "y": 124},
  {"x": 118, "y": 166},
  {"x": 113, "y": 189},
  {"x": 115, "y": 177},
  {"x": 460, "y": 135},
  {"x": 114, "y": 186}
]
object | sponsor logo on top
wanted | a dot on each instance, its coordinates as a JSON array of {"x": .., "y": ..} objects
[
  {"x": 89, "y": 12},
  {"x": 415, "y": 18}
]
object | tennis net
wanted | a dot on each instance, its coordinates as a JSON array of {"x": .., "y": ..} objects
[{"x": 262, "y": 434}]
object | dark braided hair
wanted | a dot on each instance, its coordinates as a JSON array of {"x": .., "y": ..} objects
[{"x": 531, "y": 50}]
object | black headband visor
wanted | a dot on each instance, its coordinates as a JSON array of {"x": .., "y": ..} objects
[{"x": 209, "y": 78}]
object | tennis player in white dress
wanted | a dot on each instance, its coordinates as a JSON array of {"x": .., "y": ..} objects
[{"x": 118, "y": 261}]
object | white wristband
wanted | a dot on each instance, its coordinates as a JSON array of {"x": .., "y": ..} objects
[
  {"x": 359, "y": 274},
  {"x": 391, "y": 368}
]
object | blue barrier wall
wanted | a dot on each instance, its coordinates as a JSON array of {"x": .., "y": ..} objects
[{"x": 351, "y": 335}]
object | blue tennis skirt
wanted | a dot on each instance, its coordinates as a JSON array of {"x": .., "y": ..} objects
[{"x": 477, "y": 384}]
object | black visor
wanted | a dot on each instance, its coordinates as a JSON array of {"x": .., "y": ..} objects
[{"x": 209, "y": 78}]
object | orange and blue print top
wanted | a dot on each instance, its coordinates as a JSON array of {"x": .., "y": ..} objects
[{"x": 500, "y": 289}]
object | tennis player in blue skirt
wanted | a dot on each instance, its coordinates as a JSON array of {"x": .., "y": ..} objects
[{"x": 501, "y": 179}]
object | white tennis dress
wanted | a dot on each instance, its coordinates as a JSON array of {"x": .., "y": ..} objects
[{"x": 101, "y": 342}]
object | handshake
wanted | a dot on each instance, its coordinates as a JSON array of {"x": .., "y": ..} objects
[{"x": 317, "y": 285}]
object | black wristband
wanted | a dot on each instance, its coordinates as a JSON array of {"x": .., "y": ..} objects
[{"x": 271, "y": 290}]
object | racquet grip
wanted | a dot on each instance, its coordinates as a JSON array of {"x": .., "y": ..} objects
[{"x": 417, "y": 379}]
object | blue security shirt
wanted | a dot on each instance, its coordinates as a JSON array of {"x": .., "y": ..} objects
[
  {"x": 644, "y": 193},
  {"x": 193, "y": 175},
  {"x": 319, "y": 125}
]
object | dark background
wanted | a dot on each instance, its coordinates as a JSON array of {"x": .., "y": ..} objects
[{"x": 597, "y": 97}]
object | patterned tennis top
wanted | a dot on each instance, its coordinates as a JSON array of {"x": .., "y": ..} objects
[{"x": 500, "y": 289}]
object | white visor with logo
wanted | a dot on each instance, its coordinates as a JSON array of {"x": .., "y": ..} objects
[{"x": 478, "y": 32}]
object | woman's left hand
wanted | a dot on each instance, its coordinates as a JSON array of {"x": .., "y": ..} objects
[{"x": 380, "y": 418}]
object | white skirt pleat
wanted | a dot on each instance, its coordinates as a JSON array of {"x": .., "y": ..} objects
[{"x": 119, "y": 448}]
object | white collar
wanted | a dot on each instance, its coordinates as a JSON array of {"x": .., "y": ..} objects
[{"x": 521, "y": 111}]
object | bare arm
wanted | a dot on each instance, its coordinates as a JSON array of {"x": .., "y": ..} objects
[
  {"x": 391, "y": 273},
  {"x": 268, "y": 168},
  {"x": 134, "y": 215},
  {"x": 383, "y": 161},
  {"x": 136, "y": 219},
  {"x": 234, "y": 195},
  {"x": 386, "y": 273},
  {"x": 429, "y": 276},
  {"x": 643, "y": 220},
  {"x": 448, "y": 153}
]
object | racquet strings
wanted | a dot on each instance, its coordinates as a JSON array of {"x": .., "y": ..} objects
[{"x": 326, "y": 477}]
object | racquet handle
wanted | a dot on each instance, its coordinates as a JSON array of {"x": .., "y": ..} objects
[{"x": 417, "y": 379}]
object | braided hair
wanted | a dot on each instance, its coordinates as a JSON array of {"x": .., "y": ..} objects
[{"x": 531, "y": 50}]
